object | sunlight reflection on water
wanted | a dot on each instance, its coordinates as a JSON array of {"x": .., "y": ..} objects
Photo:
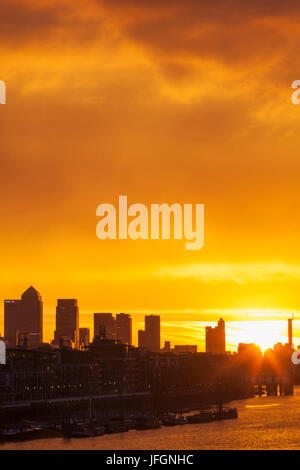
[{"x": 263, "y": 423}]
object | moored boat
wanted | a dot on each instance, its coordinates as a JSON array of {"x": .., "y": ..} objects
[
  {"x": 172, "y": 420},
  {"x": 201, "y": 417},
  {"x": 116, "y": 426},
  {"x": 80, "y": 430},
  {"x": 226, "y": 413},
  {"x": 21, "y": 433},
  {"x": 147, "y": 422}
]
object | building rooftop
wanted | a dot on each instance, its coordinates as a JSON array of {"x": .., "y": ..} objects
[{"x": 30, "y": 293}]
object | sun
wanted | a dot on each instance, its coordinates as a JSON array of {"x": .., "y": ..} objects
[{"x": 263, "y": 333}]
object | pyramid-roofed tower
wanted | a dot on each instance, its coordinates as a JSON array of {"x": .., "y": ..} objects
[{"x": 31, "y": 293}]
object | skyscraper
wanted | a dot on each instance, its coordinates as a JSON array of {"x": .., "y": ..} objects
[
  {"x": 67, "y": 321},
  {"x": 24, "y": 318},
  {"x": 152, "y": 329},
  {"x": 124, "y": 328},
  {"x": 105, "y": 325},
  {"x": 12, "y": 314},
  {"x": 215, "y": 338},
  {"x": 84, "y": 337},
  {"x": 150, "y": 337},
  {"x": 142, "y": 339}
]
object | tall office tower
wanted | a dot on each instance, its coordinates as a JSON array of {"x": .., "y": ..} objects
[
  {"x": 142, "y": 339},
  {"x": 84, "y": 337},
  {"x": 152, "y": 330},
  {"x": 67, "y": 321},
  {"x": 290, "y": 332},
  {"x": 150, "y": 337},
  {"x": 215, "y": 338},
  {"x": 11, "y": 316},
  {"x": 24, "y": 319},
  {"x": 124, "y": 328},
  {"x": 105, "y": 325}
]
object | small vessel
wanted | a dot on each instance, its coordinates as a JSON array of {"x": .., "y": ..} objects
[
  {"x": 181, "y": 419},
  {"x": 147, "y": 422},
  {"x": 226, "y": 413},
  {"x": 130, "y": 422},
  {"x": 10, "y": 433},
  {"x": 172, "y": 420},
  {"x": 21, "y": 433},
  {"x": 79, "y": 429},
  {"x": 201, "y": 417},
  {"x": 116, "y": 426}
]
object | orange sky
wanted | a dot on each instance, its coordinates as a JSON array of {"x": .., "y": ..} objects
[{"x": 185, "y": 102}]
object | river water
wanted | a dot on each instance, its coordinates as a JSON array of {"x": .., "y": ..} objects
[{"x": 263, "y": 423}]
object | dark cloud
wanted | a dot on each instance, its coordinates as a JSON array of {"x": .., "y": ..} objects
[
  {"x": 232, "y": 32},
  {"x": 19, "y": 22},
  {"x": 191, "y": 11},
  {"x": 31, "y": 22}
]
